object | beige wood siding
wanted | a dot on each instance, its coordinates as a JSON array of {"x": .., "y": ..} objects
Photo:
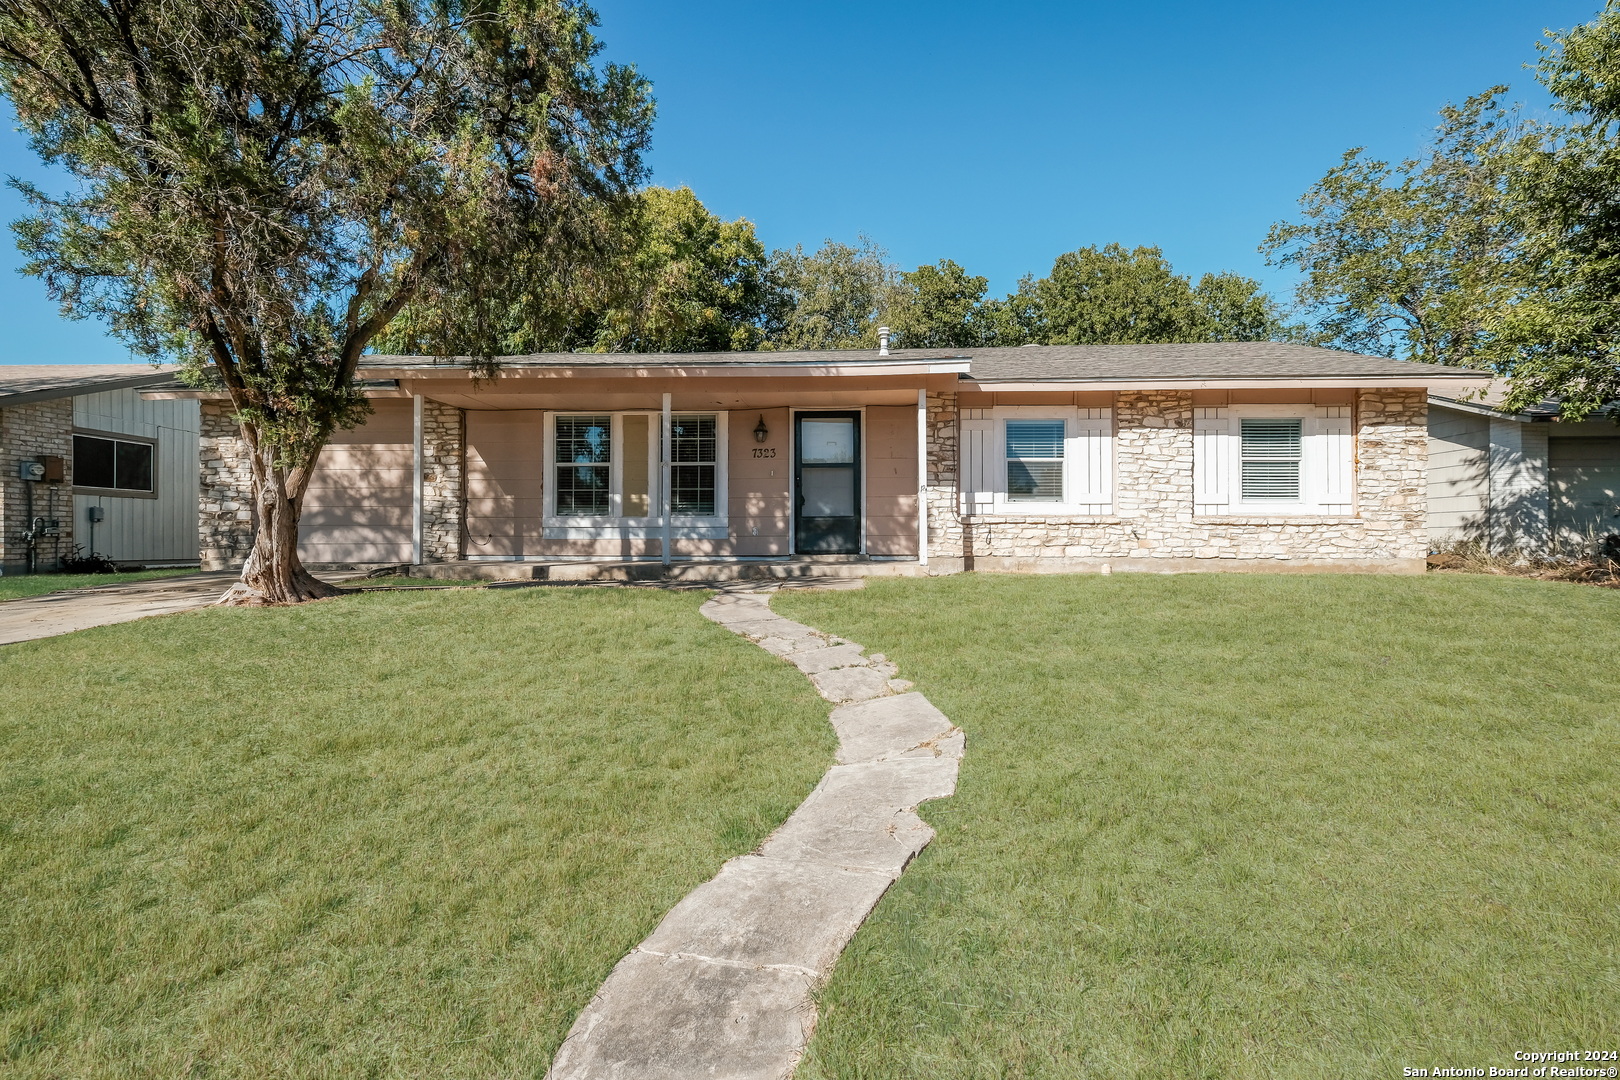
[
  {"x": 891, "y": 481},
  {"x": 760, "y": 513},
  {"x": 358, "y": 505},
  {"x": 505, "y": 463},
  {"x": 163, "y": 529},
  {"x": 1459, "y": 479},
  {"x": 1584, "y": 475}
]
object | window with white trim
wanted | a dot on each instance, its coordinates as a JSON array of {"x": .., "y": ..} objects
[
  {"x": 604, "y": 475},
  {"x": 1273, "y": 460},
  {"x": 1038, "y": 460}
]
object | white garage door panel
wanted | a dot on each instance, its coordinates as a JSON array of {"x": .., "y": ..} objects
[{"x": 1585, "y": 481}]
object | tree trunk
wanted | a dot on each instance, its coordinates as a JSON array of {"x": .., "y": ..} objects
[{"x": 272, "y": 573}]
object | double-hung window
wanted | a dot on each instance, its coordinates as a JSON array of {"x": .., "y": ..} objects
[
  {"x": 584, "y": 467},
  {"x": 1035, "y": 460},
  {"x": 1270, "y": 457},
  {"x": 604, "y": 475}
]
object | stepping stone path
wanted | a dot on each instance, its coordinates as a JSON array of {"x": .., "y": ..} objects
[{"x": 722, "y": 988}]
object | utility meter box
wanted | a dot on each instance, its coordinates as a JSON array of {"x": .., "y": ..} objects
[
  {"x": 31, "y": 470},
  {"x": 55, "y": 472}
]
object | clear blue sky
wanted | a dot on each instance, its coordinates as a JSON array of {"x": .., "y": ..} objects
[{"x": 1001, "y": 135}]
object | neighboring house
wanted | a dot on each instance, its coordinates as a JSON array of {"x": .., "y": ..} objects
[
  {"x": 1521, "y": 481},
  {"x": 107, "y": 471},
  {"x": 1131, "y": 457}
]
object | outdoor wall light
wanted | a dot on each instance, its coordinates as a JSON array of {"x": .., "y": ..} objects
[{"x": 761, "y": 432}]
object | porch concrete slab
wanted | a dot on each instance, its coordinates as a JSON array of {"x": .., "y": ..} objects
[
  {"x": 684, "y": 1018},
  {"x": 887, "y": 725},
  {"x": 851, "y": 683},
  {"x": 815, "y": 661}
]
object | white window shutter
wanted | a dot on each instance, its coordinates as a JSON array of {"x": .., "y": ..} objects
[
  {"x": 1090, "y": 462},
  {"x": 982, "y": 469},
  {"x": 1334, "y": 467},
  {"x": 1212, "y": 461}
]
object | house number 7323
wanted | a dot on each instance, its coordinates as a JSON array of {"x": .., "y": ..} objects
[{"x": 764, "y": 451}]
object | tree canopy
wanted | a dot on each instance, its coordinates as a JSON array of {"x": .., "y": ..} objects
[{"x": 263, "y": 185}]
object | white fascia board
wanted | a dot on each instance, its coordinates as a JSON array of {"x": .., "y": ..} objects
[{"x": 1339, "y": 382}]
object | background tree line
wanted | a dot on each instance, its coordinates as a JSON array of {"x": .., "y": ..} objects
[{"x": 688, "y": 281}]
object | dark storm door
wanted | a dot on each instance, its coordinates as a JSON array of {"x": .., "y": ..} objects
[{"x": 827, "y": 478}]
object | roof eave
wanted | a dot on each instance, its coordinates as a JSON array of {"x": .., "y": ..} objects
[
  {"x": 28, "y": 397},
  {"x": 742, "y": 369}
]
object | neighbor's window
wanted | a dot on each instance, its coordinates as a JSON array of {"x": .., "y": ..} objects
[
  {"x": 693, "y": 447},
  {"x": 1035, "y": 460},
  {"x": 1271, "y": 455},
  {"x": 584, "y": 465},
  {"x": 112, "y": 463}
]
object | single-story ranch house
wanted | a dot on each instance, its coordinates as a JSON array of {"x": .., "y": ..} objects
[{"x": 1131, "y": 457}]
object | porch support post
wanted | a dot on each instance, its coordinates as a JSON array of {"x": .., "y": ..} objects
[
  {"x": 663, "y": 487},
  {"x": 416, "y": 479},
  {"x": 922, "y": 477}
]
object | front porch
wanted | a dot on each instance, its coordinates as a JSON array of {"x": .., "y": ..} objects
[{"x": 688, "y": 569}]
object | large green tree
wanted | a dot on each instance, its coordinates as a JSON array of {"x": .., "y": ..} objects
[
  {"x": 263, "y": 185},
  {"x": 833, "y": 298},
  {"x": 1115, "y": 296},
  {"x": 1560, "y": 335},
  {"x": 938, "y": 307},
  {"x": 1413, "y": 260}
]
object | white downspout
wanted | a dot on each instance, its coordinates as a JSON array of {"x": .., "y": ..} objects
[
  {"x": 664, "y": 493},
  {"x": 416, "y": 485},
  {"x": 922, "y": 477}
]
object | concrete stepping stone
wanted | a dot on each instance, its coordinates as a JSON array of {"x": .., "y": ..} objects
[
  {"x": 722, "y": 988},
  {"x": 681, "y": 1018}
]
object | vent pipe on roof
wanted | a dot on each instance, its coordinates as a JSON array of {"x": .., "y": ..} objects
[{"x": 883, "y": 341}]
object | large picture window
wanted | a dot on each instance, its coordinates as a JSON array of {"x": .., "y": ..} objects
[
  {"x": 605, "y": 474},
  {"x": 112, "y": 464}
]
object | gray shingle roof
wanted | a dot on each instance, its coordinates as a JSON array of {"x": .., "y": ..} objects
[
  {"x": 1206, "y": 360},
  {"x": 23, "y": 383},
  {"x": 1031, "y": 363}
]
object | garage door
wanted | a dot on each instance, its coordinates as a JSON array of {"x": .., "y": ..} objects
[
  {"x": 358, "y": 505},
  {"x": 1585, "y": 496}
]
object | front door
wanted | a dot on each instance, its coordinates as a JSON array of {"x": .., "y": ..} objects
[{"x": 827, "y": 477}]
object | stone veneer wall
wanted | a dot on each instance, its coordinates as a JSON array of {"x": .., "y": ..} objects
[
  {"x": 1154, "y": 526},
  {"x": 225, "y": 498},
  {"x": 444, "y": 488},
  {"x": 28, "y": 433}
]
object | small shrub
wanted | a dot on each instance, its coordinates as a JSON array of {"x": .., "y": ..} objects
[{"x": 78, "y": 562}]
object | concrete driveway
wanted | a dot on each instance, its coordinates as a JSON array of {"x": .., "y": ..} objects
[{"x": 64, "y": 612}]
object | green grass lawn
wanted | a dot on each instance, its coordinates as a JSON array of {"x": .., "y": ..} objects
[
  {"x": 392, "y": 835},
  {"x": 1244, "y": 826},
  {"x": 17, "y": 586}
]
